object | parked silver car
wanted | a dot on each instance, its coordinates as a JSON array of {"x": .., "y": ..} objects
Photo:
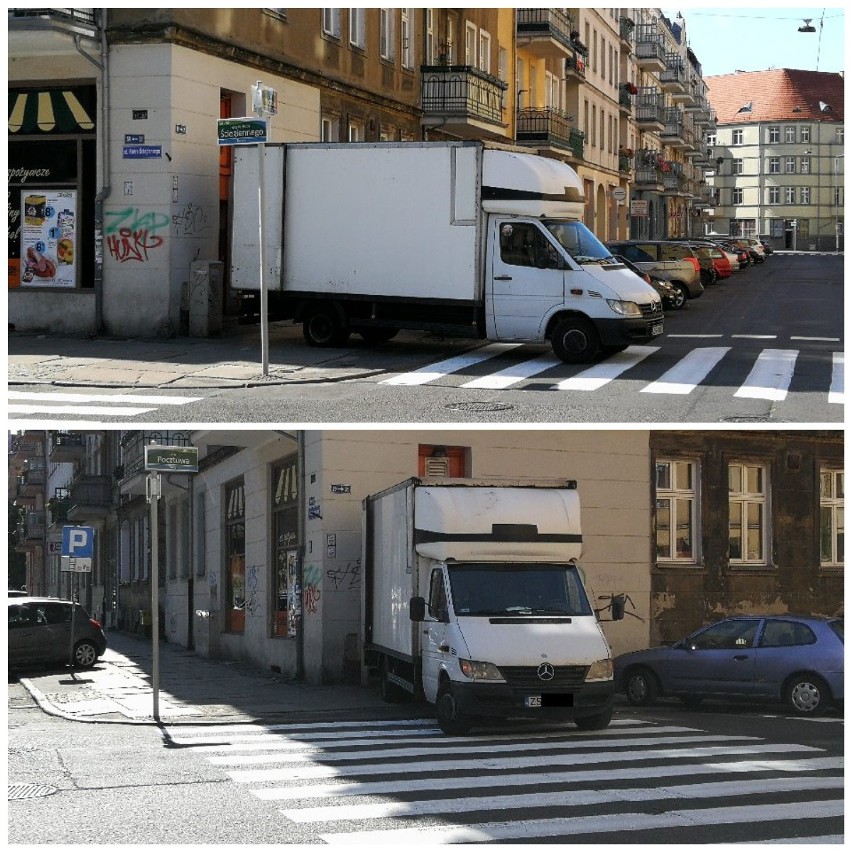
[
  {"x": 39, "y": 633},
  {"x": 679, "y": 265}
]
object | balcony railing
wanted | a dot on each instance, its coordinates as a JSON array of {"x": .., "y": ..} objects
[
  {"x": 72, "y": 16},
  {"x": 461, "y": 91},
  {"x": 33, "y": 528},
  {"x": 650, "y": 109},
  {"x": 91, "y": 491},
  {"x": 650, "y": 50},
  {"x": 545, "y": 23},
  {"x": 673, "y": 77},
  {"x": 549, "y": 127}
]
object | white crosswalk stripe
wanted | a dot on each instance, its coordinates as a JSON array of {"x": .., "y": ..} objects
[
  {"x": 78, "y": 404},
  {"x": 770, "y": 377},
  {"x": 392, "y": 782}
]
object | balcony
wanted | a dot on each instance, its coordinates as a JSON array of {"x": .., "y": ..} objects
[
  {"x": 675, "y": 182},
  {"x": 43, "y": 31},
  {"x": 25, "y": 446},
  {"x": 30, "y": 534},
  {"x": 674, "y": 131},
  {"x": 648, "y": 172},
  {"x": 650, "y": 109},
  {"x": 90, "y": 498},
  {"x": 550, "y": 131},
  {"x": 625, "y": 31},
  {"x": 59, "y": 508},
  {"x": 545, "y": 33},
  {"x": 575, "y": 66},
  {"x": 131, "y": 474},
  {"x": 650, "y": 49},
  {"x": 68, "y": 447},
  {"x": 463, "y": 100},
  {"x": 673, "y": 77},
  {"x": 626, "y": 93},
  {"x": 32, "y": 479}
]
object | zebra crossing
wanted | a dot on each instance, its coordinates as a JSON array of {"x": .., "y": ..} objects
[
  {"x": 770, "y": 377},
  {"x": 398, "y": 781},
  {"x": 50, "y": 404}
]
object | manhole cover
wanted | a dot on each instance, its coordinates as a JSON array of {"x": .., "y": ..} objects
[
  {"x": 30, "y": 791},
  {"x": 479, "y": 407}
]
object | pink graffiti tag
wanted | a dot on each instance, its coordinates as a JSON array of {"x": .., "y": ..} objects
[
  {"x": 132, "y": 245},
  {"x": 312, "y": 596}
]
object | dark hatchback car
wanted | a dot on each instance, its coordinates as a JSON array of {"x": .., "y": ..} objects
[
  {"x": 39, "y": 633},
  {"x": 794, "y": 659}
]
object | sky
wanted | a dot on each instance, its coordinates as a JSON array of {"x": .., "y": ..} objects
[{"x": 727, "y": 39}]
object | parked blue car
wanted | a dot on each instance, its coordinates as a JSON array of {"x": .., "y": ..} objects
[{"x": 794, "y": 659}]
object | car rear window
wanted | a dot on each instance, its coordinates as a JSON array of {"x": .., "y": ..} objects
[
  {"x": 837, "y": 627},
  {"x": 780, "y": 634}
]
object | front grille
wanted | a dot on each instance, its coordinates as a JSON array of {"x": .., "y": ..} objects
[
  {"x": 526, "y": 677},
  {"x": 652, "y": 311}
]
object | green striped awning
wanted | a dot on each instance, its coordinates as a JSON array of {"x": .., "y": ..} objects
[{"x": 51, "y": 111}]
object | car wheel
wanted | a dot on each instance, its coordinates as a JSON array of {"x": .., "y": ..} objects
[
  {"x": 322, "y": 327},
  {"x": 594, "y": 723},
  {"x": 680, "y": 296},
  {"x": 575, "y": 341},
  {"x": 85, "y": 654},
  {"x": 450, "y": 719},
  {"x": 641, "y": 687},
  {"x": 805, "y": 694}
]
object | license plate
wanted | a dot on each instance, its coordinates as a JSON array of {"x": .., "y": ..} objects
[
  {"x": 656, "y": 328},
  {"x": 532, "y": 701}
]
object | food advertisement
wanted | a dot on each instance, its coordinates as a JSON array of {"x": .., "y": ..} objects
[{"x": 48, "y": 238}]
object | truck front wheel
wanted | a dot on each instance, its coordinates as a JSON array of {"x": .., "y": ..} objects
[
  {"x": 450, "y": 720},
  {"x": 323, "y": 327},
  {"x": 575, "y": 341}
]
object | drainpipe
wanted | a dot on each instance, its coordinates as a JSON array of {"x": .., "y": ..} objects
[{"x": 106, "y": 188}]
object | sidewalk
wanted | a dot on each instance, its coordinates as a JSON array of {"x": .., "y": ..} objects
[
  {"x": 230, "y": 361},
  {"x": 194, "y": 690}
]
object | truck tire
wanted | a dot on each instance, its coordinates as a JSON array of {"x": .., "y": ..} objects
[
  {"x": 323, "y": 327},
  {"x": 575, "y": 341},
  {"x": 450, "y": 720},
  {"x": 594, "y": 723}
]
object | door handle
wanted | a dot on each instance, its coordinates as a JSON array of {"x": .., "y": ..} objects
[
  {"x": 502, "y": 277},
  {"x": 740, "y": 657}
]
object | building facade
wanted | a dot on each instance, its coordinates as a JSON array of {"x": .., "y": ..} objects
[
  {"x": 259, "y": 553},
  {"x": 779, "y": 150},
  {"x": 119, "y": 189}
]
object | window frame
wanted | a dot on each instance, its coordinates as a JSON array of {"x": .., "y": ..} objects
[
  {"x": 744, "y": 499},
  {"x": 674, "y": 494},
  {"x": 834, "y": 504}
]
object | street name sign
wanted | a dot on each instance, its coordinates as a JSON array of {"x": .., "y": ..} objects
[
  {"x": 171, "y": 459},
  {"x": 242, "y": 131}
]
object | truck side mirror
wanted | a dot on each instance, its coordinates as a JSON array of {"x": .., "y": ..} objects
[
  {"x": 618, "y": 607},
  {"x": 417, "y": 609}
]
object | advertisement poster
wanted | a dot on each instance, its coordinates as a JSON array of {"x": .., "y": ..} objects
[{"x": 48, "y": 237}]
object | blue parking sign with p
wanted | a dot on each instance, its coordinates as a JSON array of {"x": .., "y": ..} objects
[{"x": 78, "y": 542}]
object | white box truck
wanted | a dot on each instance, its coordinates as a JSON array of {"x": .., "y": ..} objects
[
  {"x": 474, "y": 599},
  {"x": 449, "y": 236}
]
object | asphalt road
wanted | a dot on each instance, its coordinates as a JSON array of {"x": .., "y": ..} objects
[
  {"x": 657, "y": 775},
  {"x": 765, "y": 346}
]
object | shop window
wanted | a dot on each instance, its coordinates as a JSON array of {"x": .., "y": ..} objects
[
  {"x": 285, "y": 514},
  {"x": 235, "y": 553}
]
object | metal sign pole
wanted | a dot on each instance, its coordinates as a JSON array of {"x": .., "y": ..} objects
[
  {"x": 264, "y": 295},
  {"x": 153, "y": 495}
]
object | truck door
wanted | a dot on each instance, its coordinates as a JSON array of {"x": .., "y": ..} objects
[
  {"x": 527, "y": 279},
  {"x": 434, "y": 642}
]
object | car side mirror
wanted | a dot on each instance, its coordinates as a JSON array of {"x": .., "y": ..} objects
[
  {"x": 417, "y": 609},
  {"x": 618, "y": 603}
]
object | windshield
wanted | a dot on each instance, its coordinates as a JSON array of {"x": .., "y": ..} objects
[
  {"x": 484, "y": 589},
  {"x": 578, "y": 241}
]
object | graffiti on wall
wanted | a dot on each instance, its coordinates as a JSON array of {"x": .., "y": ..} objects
[
  {"x": 312, "y": 591},
  {"x": 346, "y": 577},
  {"x": 132, "y": 234},
  {"x": 191, "y": 221},
  {"x": 252, "y": 604}
]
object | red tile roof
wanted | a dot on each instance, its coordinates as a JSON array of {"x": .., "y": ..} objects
[{"x": 782, "y": 94}]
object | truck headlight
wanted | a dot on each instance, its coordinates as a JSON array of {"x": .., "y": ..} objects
[
  {"x": 479, "y": 671},
  {"x": 600, "y": 670},
  {"x": 626, "y": 309}
]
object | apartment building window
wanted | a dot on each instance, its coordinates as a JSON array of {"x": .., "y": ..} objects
[
  {"x": 736, "y": 196},
  {"x": 774, "y": 195},
  {"x": 775, "y": 165},
  {"x": 774, "y": 134},
  {"x": 737, "y": 166},
  {"x": 831, "y": 521},
  {"x": 805, "y": 165},
  {"x": 677, "y": 510},
  {"x": 329, "y": 129},
  {"x": 747, "y": 513},
  {"x": 357, "y": 131},
  {"x": 285, "y": 511},
  {"x": 553, "y": 89},
  {"x": 235, "y": 553},
  {"x": 430, "y": 37},
  {"x": 470, "y": 44},
  {"x": 789, "y": 194},
  {"x": 838, "y": 135},
  {"x": 737, "y": 137},
  {"x": 386, "y": 35},
  {"x": 358, "y": 28},
  {"x": 790, "y": 133},
  {"x": 806, "y": 195},
  {"x": 406, "y": 24},
  {"x": 331, "y": 22},
  {"x": 805, "y": 133},
  {"x": 790, "y": 165}
]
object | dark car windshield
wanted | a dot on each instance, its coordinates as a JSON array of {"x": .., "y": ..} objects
[
  {"x": 837, "y": 627},
  {"x": 488, "y": 589}
]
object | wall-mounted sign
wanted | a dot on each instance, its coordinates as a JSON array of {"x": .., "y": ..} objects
[
  {"x": 180, "y": 129},
  {"x": 242, "y": 131},
  {"x": 171, "y": 459},
  {"x": 48, "y": 237},
  {"x": 140, "y": 114},
  {"x": 142, "y": 152},
  {"x": 134, "y": 138}
]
